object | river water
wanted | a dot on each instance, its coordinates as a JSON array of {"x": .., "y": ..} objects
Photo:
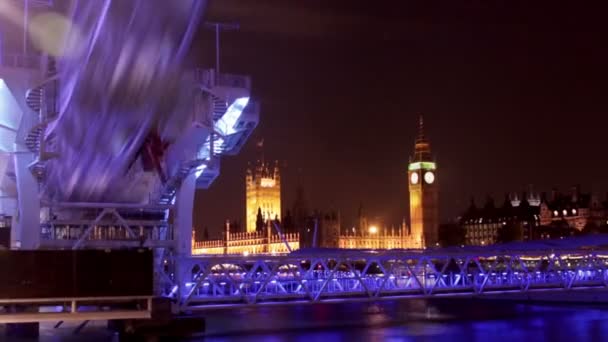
[{"x": 413, "y": 320}]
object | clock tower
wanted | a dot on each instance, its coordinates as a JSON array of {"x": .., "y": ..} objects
[{"x": 424, "y": 194}]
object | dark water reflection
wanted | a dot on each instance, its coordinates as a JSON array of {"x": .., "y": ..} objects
[
  {"x": 414, "y": 320},
  {"x": 451, "y": 320}
]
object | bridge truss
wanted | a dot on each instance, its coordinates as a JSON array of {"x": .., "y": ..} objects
[{"x": 350, "y": 276}]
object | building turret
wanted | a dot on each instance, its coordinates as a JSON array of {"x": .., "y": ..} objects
[
  {"x": 533, "y": 198},
  {"x": 515, "y": 200},
  {"x": 275, "y": 173},
  {"x": 574, "y": 193},
  {"x": 226, "y": 236},
  {"x": 248, "y": 174},
  {"x": 263, "y": 193},
  {"x": 424, "y": 193}
]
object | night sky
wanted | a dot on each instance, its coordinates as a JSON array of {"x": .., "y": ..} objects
[{"x": 512, "y": 95}]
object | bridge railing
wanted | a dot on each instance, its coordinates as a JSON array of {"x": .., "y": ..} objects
[
  {"x": 214, "y": 281},
  {"x": 77, "y": 309}
]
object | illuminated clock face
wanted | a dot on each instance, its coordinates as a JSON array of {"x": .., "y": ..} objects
[
  {"x": 429, "y": 177},
  {"x": 414, "y": 178}
]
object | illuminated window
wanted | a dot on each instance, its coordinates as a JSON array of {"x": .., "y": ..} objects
[
  {"x": 267, "y": 182},
  {"x": 565, "y": 212},
  {"x": 555, "y": 213},
  {"x": 573, "y": 211}
]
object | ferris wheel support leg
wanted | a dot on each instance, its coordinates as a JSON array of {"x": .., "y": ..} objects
[
  {"x": 26, "y": 232},
  {"x": 184, "y": 202}
]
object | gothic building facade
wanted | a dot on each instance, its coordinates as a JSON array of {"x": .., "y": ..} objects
[
  {"x": 265, "y": 241},
  {"x": 263, "y": 194},
  {"x": 486, "y": 225},
  {"x": 266, "y": 234},
  {"x": 575, "y": 209},
  {"x": 532, "y": 216},
  {"x": 424, "y": 194},
  {"x": 424, "y": 209}
]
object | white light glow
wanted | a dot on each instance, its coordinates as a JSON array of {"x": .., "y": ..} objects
[
  {"x": 50, "y": 32},
  {"x": 414, "y": 178},
  {"x": 429, "y": 177},
  {"x": 200, "y": 169},
  {"x": 267, "y": 182},
  {"x": 226, "y": 124},
  {"x": 373, "y": 229},
  {"x": 10, "y": 113},
  {"x": 7, "y": 119}
]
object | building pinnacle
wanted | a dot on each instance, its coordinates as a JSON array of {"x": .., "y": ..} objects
[{"x": 422, "y": 149}]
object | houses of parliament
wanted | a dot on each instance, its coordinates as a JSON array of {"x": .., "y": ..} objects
[{"x": 264, "y": 233}]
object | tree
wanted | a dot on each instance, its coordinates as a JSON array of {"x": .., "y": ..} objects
[
  {"x": 288, "y": 222},
  {"x": 451, "y": 235},
  {"x": 510, "y": 232},
  {"x": 235, "y": 226},
  {"x": 591, "y": 228},
  {"x": 259, "y": 222}
]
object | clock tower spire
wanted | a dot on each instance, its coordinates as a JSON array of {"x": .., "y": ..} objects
[{"x": 424, "y": 194}]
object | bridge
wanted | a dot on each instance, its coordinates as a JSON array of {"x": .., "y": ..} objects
[
  {"x": 194, "y": 284},
  {"x": 345, "y": 275}
]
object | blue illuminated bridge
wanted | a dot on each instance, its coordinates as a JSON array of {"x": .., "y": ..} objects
[
  {"x": 570, "y": 268},
  {"x": 347, "y": 275}
]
